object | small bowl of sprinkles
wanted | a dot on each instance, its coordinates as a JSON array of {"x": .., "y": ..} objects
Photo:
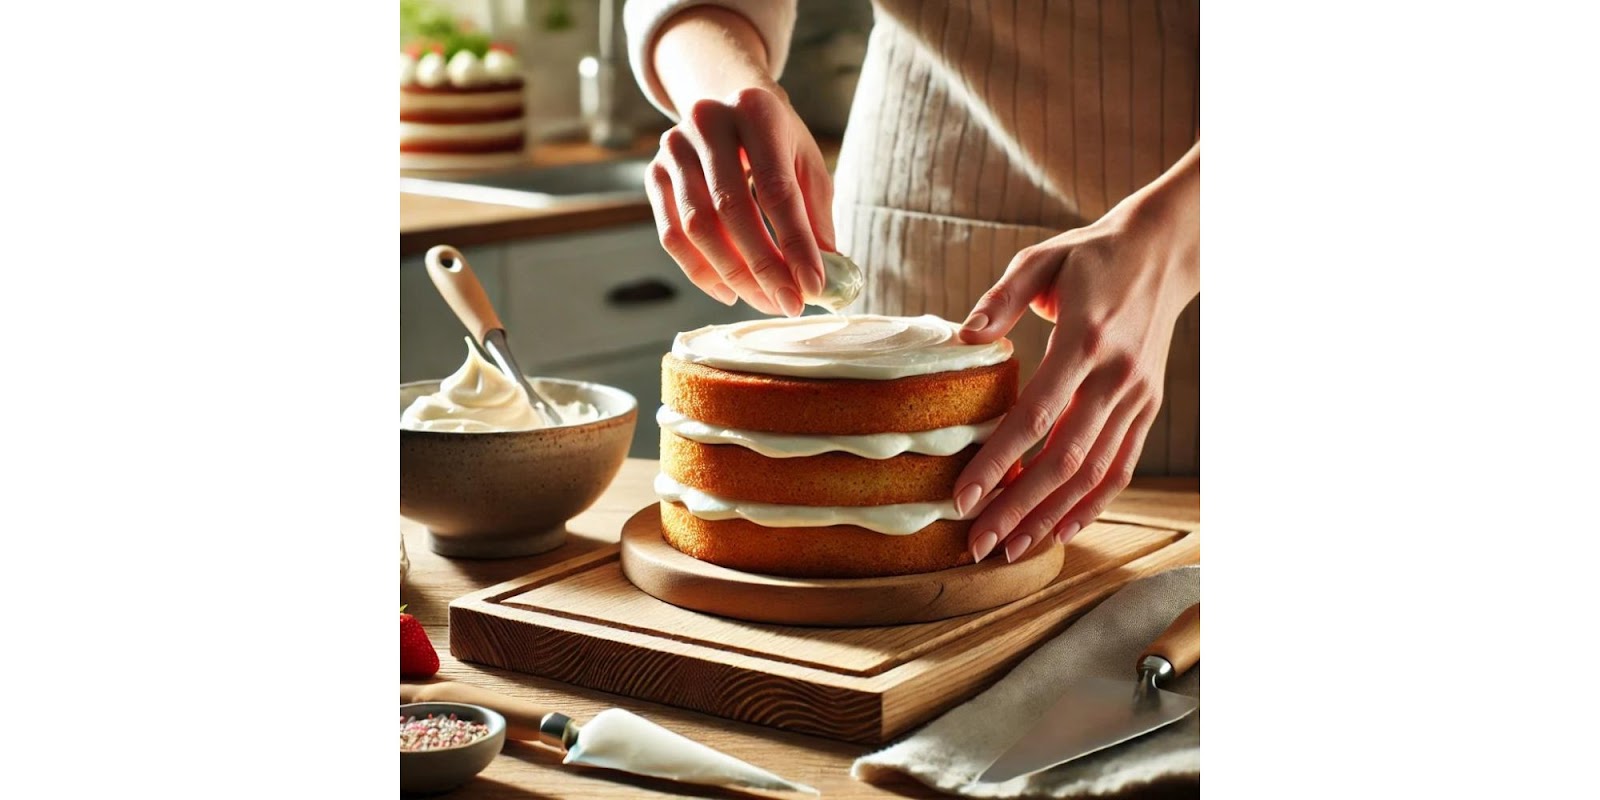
[{"x": 442, "y": 745}]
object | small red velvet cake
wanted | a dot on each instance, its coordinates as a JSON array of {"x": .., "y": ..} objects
[{"x": 462, "y": 113}]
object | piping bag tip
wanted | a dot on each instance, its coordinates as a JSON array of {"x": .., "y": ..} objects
[{"x": 621, "y": 740}]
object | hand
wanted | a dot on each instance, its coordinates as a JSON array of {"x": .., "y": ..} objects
[
  {"x": 708, "y": 220},
  {"x": 1114, "y": 290}
]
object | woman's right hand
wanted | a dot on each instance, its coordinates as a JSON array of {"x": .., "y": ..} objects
[{"x": 699, "y": 185}]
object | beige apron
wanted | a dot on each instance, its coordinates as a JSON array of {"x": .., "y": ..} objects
[{"x": 980, "y": 129}]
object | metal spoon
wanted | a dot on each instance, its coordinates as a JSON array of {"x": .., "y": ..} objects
[{"x": 459, "y": 285}]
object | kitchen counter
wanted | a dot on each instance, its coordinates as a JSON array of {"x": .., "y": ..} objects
[
  {"x": 525, "y": 770},
  {"x": 426, "y": 220}
]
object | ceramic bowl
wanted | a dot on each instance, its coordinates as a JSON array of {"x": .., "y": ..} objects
[
  {"x": 510, "y": 493},
  {"x": 430, "y": 771}
]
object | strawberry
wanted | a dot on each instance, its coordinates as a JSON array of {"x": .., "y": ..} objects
[{"x": 417, "y": 656}]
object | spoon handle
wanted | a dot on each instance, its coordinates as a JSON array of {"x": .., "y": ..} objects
[{"x": 459, "y": 285}]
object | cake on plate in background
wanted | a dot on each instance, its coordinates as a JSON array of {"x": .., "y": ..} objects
[
  {"x": 825, "y": 446},
  {"x": 461, "y": 107}
]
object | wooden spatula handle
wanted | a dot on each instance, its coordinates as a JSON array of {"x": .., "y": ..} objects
[
  {"x": 459, "y": 285},
  {"x": 1179, "y": 644},
  {"x": 522, "y": 716}
]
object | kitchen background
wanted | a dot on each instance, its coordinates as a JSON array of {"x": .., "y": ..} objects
[
  {"x": 573, "y": 265},
  {"x": 597, "y": 303}
]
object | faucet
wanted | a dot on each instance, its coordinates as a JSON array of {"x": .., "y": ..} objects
[{"x": 598, "y": 85}]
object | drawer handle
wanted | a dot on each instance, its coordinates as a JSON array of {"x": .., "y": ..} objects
[{"x": 640, "y": 292}]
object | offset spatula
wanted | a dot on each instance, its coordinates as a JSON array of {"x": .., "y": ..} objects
[{"x": 1096, "y": 713}]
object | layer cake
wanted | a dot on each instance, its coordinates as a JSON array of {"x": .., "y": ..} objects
[
  {"x": 825, "y": 446},
  {"x": 463, "y": 113}
]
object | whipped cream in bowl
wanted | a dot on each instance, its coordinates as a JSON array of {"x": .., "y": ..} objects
[
  {"x": 486, "y": 476},
  {"x": 479, "y": 398}
]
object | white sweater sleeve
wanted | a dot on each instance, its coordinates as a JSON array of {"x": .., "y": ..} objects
[{"x": 642, "y": 19}]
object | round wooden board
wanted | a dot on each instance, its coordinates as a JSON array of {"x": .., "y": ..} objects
[{"x": 663, "y": 572}]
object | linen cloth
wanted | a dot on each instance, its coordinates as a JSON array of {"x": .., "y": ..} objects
[{"x": 952, "y": 750}]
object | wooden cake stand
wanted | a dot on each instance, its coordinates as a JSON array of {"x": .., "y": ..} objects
[{"x": 667, "y": 574}]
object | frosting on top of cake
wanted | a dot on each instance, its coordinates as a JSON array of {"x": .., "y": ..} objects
[
  {"x": 859, "y": 346},
  {"x": 464, "y": 70}
]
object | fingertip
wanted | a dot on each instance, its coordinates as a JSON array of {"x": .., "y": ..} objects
[
  {"x": 967, "y": 498},
  {"x": 812, "y": 281},
  {"x": 1065, "y": 533},
  {"x": 984, "y": 545},
  {"x": 1017, "y": 546},
  {"x": 979, "y": 329},
  {"x": 789, "y": 301}
]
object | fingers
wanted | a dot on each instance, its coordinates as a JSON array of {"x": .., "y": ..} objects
[
  {"x": 1045, "y": 518},
  {"x": 659, "y": 186},
  {"x": 1031, "y": 419},
  {"x": 716, "y": 138},
  {"x": 816, "y": 186},
  {"x": 778, "y": 190},
  {"x": 1030, "y": 273},
  {"x": 698, "y": 220},
  {"x": 1091, "y": 505},
  {"x": 1074, "y": 460}
]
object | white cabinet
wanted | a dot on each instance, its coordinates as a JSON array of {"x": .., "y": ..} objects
[
  {"x": 599, "y": 305},
  {"x": 588, "y": 295}
]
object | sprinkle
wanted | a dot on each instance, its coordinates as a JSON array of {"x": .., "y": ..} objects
[{"x": 437, "y": 733}]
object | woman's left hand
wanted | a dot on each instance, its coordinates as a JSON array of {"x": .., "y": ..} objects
[{"x": 1114, "y": 290}]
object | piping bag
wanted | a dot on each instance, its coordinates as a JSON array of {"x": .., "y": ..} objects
[{"x": 614, "y": 739}]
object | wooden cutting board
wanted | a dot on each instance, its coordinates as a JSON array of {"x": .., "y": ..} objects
[{"x": 582, "y": 622}]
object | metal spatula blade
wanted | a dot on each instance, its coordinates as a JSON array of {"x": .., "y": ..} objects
[
  {"x": 1093, "y": 715},
  {"x": 1096, "y": 713}
]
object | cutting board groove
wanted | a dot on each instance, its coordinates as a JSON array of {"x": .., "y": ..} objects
[{"x": 582, "y": 622}]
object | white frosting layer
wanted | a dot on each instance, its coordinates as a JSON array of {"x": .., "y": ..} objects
[
  {"x": 458, "y": 131},
  {"x": 863, "y": 346},
  {"x": 896, "y": 520},
  {"x": 937, "y": 442}
]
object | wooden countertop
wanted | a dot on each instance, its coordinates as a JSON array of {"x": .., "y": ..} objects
[
  {"x": 426, "y": 221},
  {"x": 524, "y": 770}
]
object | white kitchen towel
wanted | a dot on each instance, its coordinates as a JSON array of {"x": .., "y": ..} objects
[{"x": 951, "y": 751}]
